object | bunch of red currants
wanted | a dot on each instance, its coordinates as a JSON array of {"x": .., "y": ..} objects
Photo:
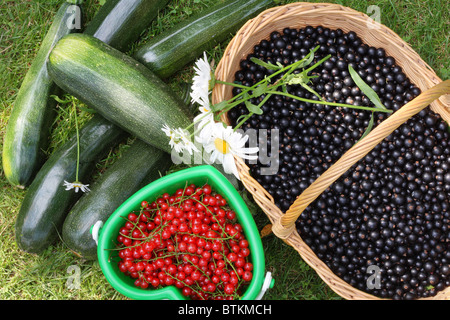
[{"x": 190, "y": 240}]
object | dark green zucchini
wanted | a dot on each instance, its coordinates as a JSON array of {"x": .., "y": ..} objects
[
  {"x": 46, "y": 202},
  {"x": 174, "y": 48},
  {"x": 28, "y": 129},
  {"x": 118, "y": 87},
  {"x": 119, "y": 23},
  {"x": 139, "y": 165}
]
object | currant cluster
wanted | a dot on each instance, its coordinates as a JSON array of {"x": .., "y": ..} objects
[
  {"x": 391, "y": 209},
  {"x": 313, "y": 136},
  {"x": 190, "y": 240}
]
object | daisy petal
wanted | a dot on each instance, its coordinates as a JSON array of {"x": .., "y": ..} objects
[
  {"x": 200, "y": 86},
  {"x": 223, "y": 143},
  {"x": 76, "y": 186}
]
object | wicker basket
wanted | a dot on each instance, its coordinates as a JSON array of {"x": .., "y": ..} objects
[{"x": 299, "y": 15}]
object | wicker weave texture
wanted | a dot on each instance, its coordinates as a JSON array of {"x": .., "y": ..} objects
[{"x": 435, "y": 93}]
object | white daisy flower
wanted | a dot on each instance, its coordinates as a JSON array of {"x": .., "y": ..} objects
[
  {"x": 179, "y": 139},
  {"x": 200, "y": 89},
  {"x": 186, "y": 140},
  {"x": 76, "y": 185},
  {"x": 175, "y": 142},
  {"x": 223, "y": 143}
]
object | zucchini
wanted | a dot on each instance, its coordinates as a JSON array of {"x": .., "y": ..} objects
[
  {"x": 28, "y": 129},
  {"x": 171, "y": 50},
  {"x": 139, "y": 165},
  {"x": 88, "y": 92},
  {"x": 118, "y": 88},
  {"x": 46, "y": 202},
  {"x": 120, "y": 22}
]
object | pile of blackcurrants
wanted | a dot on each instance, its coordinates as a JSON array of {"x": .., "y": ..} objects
[{"x": 390, "y": 213}]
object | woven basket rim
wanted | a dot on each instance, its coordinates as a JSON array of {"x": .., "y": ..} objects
[{"x": 419, "y": 72}]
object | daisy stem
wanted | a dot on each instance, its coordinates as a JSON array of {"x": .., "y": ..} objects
[
  {"x": 334, "y": 104},
  {"x": 243, "y": 120},
  {"x": 290, "y": 68},
  {"x": 232, "y": 84},
  {"x": 78, "y": 140},
  {"x": 317, "y": 64},
  {"x": 279, "y": 83},
  {"x": 189, "y": 126},
  {"x": 272, "y": 89},
  {"x": 199, "y": 120},
  {"x": 251, "y": 113}
]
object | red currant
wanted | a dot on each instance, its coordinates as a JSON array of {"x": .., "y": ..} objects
[
  {"x": 229, "y": 289},
  {"x": 189, "y": 240},
  {"x": 247, "y": 276},
  {"x": 207, "y": 189},
  {"x": 144, "y": 204}
]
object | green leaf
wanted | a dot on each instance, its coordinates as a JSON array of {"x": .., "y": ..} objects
[
  {"x": 241, "y": 118},
  {"x": 304, "y": 85},
  {"x": 219, "y": 106},
  {"x": 369, "y": 128},
  {"x": 298, "y": 78},
  {"x": 261, "y": 89},
  {"x": 253, "y": 108},
  {"x": 267, "y": 65},
  {"x": 307, "y": 60},
  {"x": 366, "y": 89}
]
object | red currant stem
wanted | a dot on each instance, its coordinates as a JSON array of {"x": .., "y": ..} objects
[
  {"x": 176, "y": 245},
  {"x": 171, "y": 255},
  {"x": 206, "y": 238},
  {"x": 197, "y": 288},
  {"x": 182, "y": 195},
  {"x": 184, "y": 283},
  {"x": 160, "y": 236},
  {"x": 150, "y": 235},
  {"x": 212, "y": 214},
  {"x": 200, "y": 269},
  {"x": 231, "y": 264}
]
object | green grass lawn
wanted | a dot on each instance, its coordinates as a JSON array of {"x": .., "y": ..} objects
[{"x": 23, "y": 24}]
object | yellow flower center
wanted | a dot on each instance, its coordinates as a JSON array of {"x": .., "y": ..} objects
[{"x": 221, "y": 145}]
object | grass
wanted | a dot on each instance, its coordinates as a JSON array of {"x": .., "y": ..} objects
[{"x": 23, "y": 24}]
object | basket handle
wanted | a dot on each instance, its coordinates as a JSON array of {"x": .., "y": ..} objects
[{"x": 285, "y": 225}]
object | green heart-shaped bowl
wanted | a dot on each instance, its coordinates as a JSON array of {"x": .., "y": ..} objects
[{"x": 198, "y": 175}]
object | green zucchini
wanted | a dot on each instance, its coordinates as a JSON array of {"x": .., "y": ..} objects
[
  {"x": 197, "y": 36},
  {"x": 28, "y": 129},
  {"x": 119, "y": 23},
  {"x": 139, "y": 165},
  {"x": 50, "y": 211},
  {"x": 118, "y": 88},
  {"x": 46, "y": 202},
  {"x": 174, "y": 48}
]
